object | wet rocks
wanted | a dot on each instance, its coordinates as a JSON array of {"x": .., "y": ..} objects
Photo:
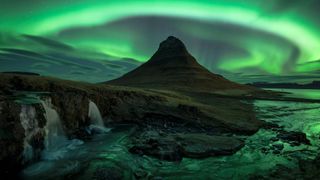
[
  {"x": 12, "y": 136},
  {"x": 164, "y": 149},
  {"x": 109, "y": 173},
  {"x": 293, "y": 138},
  {"x": 271, "y": 126},
  {"x": 306, "y": 169},
  {"x": 73, "y": 111},
  {"x": 277, "y": 148},
  {"x": 173, "y": 147},
  {"x": 202, "y": 146}
]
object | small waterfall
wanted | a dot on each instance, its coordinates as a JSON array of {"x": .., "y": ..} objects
[
  {"x": 30, "y": 124},
  {"x": 94, "y": 114},
  {"x": 56, "y": 143}
]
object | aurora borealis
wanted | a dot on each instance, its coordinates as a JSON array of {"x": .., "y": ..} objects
[{"x": 97, "y": 40}]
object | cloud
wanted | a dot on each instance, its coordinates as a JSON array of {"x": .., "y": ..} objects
[
  {"x": 50, "y": 43},
  {"x": 60, "y": 60}
]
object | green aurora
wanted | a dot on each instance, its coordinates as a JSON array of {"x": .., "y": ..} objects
[{"x": 245, "y": 40}]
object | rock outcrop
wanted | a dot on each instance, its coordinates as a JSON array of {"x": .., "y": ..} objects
[
  {"x": 175, "y": 146},
  {"x": 13, "y": 137}
]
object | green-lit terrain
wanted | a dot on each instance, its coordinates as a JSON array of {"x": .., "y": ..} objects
[{"x": 159, "y": 89}]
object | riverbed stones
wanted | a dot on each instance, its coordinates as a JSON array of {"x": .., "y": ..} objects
[
  {"x": 294, "y": 138},
  {"x": 174, "y": 147}
]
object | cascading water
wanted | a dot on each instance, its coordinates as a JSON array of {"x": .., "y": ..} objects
[
  {"x": 56, "y": 143},
  {"x": 94, "y": 114},
  {"x": 96, "y": 119},
  {"x": 57, "y": 146},
  {"x": 30, "y": 124}
]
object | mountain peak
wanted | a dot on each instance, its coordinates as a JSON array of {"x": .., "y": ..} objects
[
  {"x": 169, "y": 50},
  {"x": 173, "y": 67},
  {"x": 172, "y": 43}
]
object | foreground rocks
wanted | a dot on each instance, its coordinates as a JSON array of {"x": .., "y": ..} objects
[
  {"x": 202, "y": 146},
  {"x": 306, "y": 169},
  {"x": 173, "y": 147},
  {"x": 12, "y": 137},
  {"x": 294, "y": 138},
  {"x": 145, "y": 107}
]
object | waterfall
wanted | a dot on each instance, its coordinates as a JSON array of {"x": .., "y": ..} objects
[
  {"x": 97, "y": 125},
  {"x": 56, "y": 143},
  {"x": 30, "y": 125},
  {"x": 94, "y": 114}
]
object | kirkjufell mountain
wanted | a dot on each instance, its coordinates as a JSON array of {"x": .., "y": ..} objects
[{"x": 173, "y": 67}]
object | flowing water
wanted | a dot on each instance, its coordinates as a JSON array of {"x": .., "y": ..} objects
[
  {"x": 97, "y": 125},
  {"x": 94, "y": 114},
  {"x": 56, "y": 142},
  {"x": 109, "y": 150}
]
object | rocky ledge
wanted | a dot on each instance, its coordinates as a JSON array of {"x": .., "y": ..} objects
[{"x": 173, "y": 147}]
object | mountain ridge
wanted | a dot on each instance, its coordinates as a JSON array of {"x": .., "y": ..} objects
[{"x": 173, "y": 67}]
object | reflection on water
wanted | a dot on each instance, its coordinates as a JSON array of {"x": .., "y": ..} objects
[{"x": 257, "y": 157}]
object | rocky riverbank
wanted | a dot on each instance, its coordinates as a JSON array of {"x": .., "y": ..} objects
[{"x": 144, "y": 107}]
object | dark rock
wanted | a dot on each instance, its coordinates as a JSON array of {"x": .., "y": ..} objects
[
  {"x": 264, "y": 150},
  {"x": 276, "y": 151},
  {"x": 274, "y": 139},
  {"x": 294, "y": 138},
  {"x": 202, "y": 146},
  {"x": 108, "y": 173},
  {"x": 11, "y": 138},
  {"x": 141, "y": 174},
  {"x": 164, "y": 149},
  {"x": 278, "y": 146},
  {"x": 175, "y": 146},
  {"x": 306, "y": 169},
  {"x": 73, "y": 111},
  {"x": 272, "y": 126}
]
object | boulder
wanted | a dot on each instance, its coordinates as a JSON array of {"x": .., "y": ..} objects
[
  {"x": 173, "y": 147},
  {"x": 162, "y": 148},
  {"x": 294, "y": 138},
  {"x": 202, "y": 145}
]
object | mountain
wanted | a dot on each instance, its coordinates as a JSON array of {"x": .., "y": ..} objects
[{"x": 173, "y": 67}]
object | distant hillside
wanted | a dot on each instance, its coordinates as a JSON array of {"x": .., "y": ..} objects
[
  {"x": 21, "y": 73},
  {"x": 312, "y": 85}
]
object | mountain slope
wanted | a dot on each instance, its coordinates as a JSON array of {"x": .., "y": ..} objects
[{"x": 172, "y": 67}]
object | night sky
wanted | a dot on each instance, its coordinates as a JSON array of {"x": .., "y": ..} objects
[{"x": 98, "y": 40}]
